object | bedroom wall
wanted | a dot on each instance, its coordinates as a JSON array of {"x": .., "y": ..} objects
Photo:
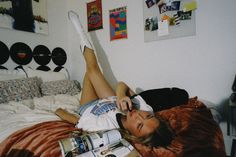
[{"x": 204, "y": 64}]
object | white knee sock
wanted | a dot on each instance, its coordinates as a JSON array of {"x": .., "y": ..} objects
[{"x": 84, "y": 40}]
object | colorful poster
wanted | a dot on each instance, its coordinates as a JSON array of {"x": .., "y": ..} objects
[
  {"x": 118, "y": 24},
  {"x": 94, "y": 14}
]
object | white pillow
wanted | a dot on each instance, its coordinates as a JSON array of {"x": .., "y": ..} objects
[
  {"x": 46, "y": 75},
  {"x": 11, "y": 74}
]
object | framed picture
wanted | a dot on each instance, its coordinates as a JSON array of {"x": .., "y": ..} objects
[
  {"x": 118, "y": 25},
  {"x": 94, "y": 14},
  {"x": 24, "y": 15}
]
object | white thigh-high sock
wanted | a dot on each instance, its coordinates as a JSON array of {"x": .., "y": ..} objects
[{"x": 84, "y": 40}]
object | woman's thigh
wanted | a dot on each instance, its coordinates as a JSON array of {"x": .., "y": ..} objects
[{"x": 88, "y": 92}]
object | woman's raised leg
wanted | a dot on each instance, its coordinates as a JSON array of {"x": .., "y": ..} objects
[{"x": 94, "y": 81}]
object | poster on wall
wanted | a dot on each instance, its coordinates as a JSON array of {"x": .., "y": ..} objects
[
  {"x": 118, "y": 24},
  {"x": 24, "y": 15},
  {"x": 167, "y": 19},
  {"x": 94, "y": 14}
]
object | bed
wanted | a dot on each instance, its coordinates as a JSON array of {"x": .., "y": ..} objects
[{"x": 29, "y": 127}]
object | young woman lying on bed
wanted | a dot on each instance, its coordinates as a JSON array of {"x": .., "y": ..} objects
[
  {"x": 134, "y": 114},
  {"x": 182, "y": 127},
  {"x": 182, "y": 130}
]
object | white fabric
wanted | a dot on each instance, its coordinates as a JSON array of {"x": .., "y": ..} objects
[
  {"x": 11, "y": 74},
  {"x": 46, "y": 75},
  {"x": 107, "y": 120},
  {"x": 142, "y": 104},
  {"x": 6, "y": 21},
  {"x": 29, "y": 112},
  {"x": 84, "y": 40}
]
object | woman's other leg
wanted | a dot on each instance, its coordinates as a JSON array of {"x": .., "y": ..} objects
[
  {"x": 94, "y": 86},
  {"x": 88, "y": 92},
  {"x": 95, "y": 81}
]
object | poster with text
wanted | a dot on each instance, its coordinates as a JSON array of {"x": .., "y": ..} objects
[
  {"x": 118, "y": 24},
  {"x": 94, "y": 13}
]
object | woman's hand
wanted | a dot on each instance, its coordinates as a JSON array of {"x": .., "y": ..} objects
[
  {"x": 124, "y": 103},
  {"x": 123, "y": 93}
]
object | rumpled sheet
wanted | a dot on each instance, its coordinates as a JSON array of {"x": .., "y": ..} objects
[{"x": 18, "y": 115}]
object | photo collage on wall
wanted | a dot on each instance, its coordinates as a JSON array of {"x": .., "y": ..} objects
[
  {"x": 117, "y": 19},
  {"x": 165, "y": 19}
]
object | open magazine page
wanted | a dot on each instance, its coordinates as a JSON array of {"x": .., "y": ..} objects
[
  {"x": 119, "y": 149},
  {"x": 96, "y": 144}
]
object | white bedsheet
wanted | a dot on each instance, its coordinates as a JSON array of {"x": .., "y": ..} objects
[{"x": 17, "y": 115}]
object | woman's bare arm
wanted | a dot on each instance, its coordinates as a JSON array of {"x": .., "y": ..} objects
[{"x": 65, "y": 115}]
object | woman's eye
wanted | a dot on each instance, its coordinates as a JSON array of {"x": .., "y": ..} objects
[
  {"x": 139, "y": 127},
  {"x": 149, "y": 116}
]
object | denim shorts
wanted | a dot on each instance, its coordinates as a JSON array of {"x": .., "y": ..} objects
[{"x": 83, "y": 108}]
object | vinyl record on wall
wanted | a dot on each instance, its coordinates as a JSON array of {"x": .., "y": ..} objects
[
  {"x": 5, "y": 53},
  {"x": 41, "y": 55},
  {"x": 59, "y": 56},
  {"x": 21, "y": 53}
]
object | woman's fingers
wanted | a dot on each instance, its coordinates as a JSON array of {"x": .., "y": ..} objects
[{"x": 124, "y": 104}]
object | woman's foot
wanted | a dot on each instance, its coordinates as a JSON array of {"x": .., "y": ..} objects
[{"x": 84, "y": 40}]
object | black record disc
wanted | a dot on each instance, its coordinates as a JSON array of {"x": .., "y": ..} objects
[
  {"x": 21, "y": 53},
  {"x": 42, "y": 55},
  {"x": 59, "y": 56},
  {"x": 5, "y": 53}
]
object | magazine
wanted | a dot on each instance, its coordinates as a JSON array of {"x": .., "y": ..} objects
[{"x": 102, "y": 144}]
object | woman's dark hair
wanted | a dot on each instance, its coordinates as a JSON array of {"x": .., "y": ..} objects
[{"x": 161, "y": 137}]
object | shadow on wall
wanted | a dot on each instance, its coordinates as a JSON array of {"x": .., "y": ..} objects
[{"x": 103, "y": 60}]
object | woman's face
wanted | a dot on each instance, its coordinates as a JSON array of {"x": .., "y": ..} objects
[{"x": 140, "y": 123}]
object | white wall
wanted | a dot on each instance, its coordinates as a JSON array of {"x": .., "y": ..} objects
[{"x": 205, "y": 64}]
